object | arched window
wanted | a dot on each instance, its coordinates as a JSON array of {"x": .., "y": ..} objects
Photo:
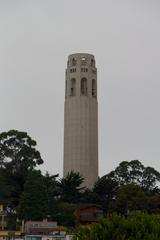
[
  {"x": 73, "y": 87},
  {"x": 94, "y": 90},
  {"x": 92, "y": 62},
  {"x": 73, "y": 62},
  {"x": 84, "y": 86}
]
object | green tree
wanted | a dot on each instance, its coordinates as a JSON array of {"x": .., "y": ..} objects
[
  {"x": 105, "y": 191},
  {"x": 70, "y": 187},
  {"x": 5, "y": 188},
  {"x": 128, "y": 172},
  {"x": 52, "y": 194},
  {"x": 18, "y": 156},
  {"x": 88, "y": 196},
  {"x": 33, "y": 202},
  {"x": 64, "y": 213},
  {"x": 154, "y": 203},
  {"x": 129, "y": 198},
  {"x": 150, "y": 179},
  {"x": 134, "y": 172},
  {"x": 136, "y": 226},
  {"x": 18, "y": 152}
]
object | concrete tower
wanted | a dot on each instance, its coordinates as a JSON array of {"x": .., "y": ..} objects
[{"x": 81, "y": 118}]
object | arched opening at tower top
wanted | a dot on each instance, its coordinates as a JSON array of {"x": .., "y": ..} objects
[
  {"x": 74, "y": 62},
  {"x": 84, "y": 86},
  {"x": 73, "y": 87},
  {"x": 94, "y": 90}
]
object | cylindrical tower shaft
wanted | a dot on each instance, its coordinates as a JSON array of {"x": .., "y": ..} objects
[{"x": 81, "y": 118}]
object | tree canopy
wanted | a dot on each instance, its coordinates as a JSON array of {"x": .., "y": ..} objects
[
  {"x": 33, "y": 201},
  {"x": 27, "y": 193},
  {"x": 18, "y": 156},
  {"x": 18, "y": 152},
  {"x": 129, "y": 198},
  {"x": 136, "y": 226},
  {"x": 71, "y": 187},
  {"x": 135, "y": 172}
]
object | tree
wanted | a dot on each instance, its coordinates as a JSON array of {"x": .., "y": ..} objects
[
  {"x": 88, "y": 196},
  {"x": 154, "y": 203},
  {"x": 129, "y": 198},
  {"x": 18, "y": 156},
  {"x": 64, "y": 213},
  {"x": 17, "y": 152},
  {"x": 105, "y": 190},
  {"x": 135, "y": 226},
  {"x": 33, "y": 201},
  {"x": 128, "y": 172},
  {"x": 52, "y": 193},
  {"x": 149, "y": 179},
  {"x": 5, "y": 187},
  {"x": 135, "y": 172},
  {"x": 58, "y": 209},
  {"x": 70, "y": 187}
]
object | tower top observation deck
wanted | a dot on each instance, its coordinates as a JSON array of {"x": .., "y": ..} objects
[{"x": 81, "y": 59}]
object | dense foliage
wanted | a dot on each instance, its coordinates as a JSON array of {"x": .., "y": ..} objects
[
  {"x": 28, "y": 194},
  {"x": 18, "y": 156},
  {"x": 134, "y": 226}
]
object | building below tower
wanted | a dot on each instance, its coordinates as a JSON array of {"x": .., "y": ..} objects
[{"x": 81, "y": 118}]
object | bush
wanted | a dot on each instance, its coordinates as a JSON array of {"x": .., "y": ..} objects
[{"x": 136, "y": 226}]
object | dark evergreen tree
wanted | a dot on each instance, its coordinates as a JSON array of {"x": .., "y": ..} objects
[
  {"x": 18, "y": 156},
  {"x": 52, "y": 194},
  {"x": 33, "y": 202},
  {"x": 105, "y": 191},
  {"x": 129, "y": 198},
  {"x": 70, "y": 187}
]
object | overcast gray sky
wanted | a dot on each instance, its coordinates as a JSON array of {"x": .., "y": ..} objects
[{"x": 36, "y": 36}]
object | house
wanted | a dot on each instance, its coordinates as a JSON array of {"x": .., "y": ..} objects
[
  {"x": 44, "y": 227},
  {"x": 45, "y": 230},
  {"x": 87, "y": 214}
]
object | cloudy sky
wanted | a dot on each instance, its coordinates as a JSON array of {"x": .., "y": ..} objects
[{"x": 36, "y": 36}]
